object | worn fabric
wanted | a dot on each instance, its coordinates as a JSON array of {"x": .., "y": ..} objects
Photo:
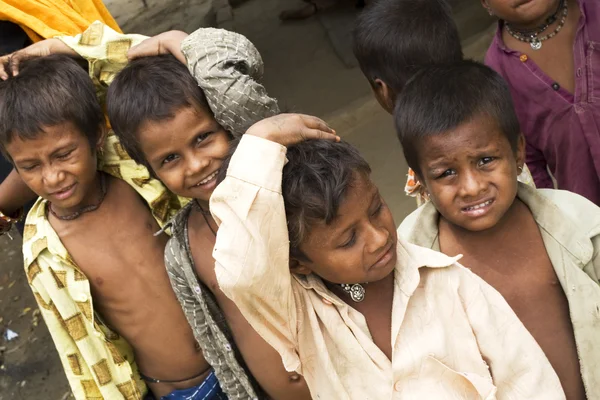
[
  {"x": 227, "y": 67},
  {"x": 98, "y": 363},
  {"x": 570, "y": 228},
  {"x": 44, "y": 19},
  {"x": 105, "y": 50},
  {"x": 562, "y": 129},
  {"x": 453, "y": 336},
  {"x": 204, "y": 315},
  {"x": 207, "y": 390},
  {"x": 413, "y": 187}
]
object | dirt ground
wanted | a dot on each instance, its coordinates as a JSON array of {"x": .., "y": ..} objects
[{"x": 304, "y": 73}]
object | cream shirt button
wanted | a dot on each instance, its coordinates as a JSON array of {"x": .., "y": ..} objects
[
  {"x": 325, "y": 301},
  {"x": 398, "y": 386},
  {"x": 83, "y": 298},
  {"x": 98, "y": 334}
]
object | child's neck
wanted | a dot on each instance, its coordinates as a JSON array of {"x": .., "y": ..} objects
[{"x": 382, "y": 286}]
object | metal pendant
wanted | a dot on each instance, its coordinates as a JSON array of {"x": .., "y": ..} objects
[
  {"x": 356, "y": 291},
  {"x": 535, "y": 44}
]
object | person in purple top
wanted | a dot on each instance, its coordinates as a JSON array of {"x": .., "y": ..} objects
[{"x": 549, "y": 53}]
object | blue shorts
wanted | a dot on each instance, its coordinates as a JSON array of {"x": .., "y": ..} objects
[{"x": 207, "y": 390}]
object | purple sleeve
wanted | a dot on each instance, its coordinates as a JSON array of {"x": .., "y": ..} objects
[{"x": 539, "y": 168}]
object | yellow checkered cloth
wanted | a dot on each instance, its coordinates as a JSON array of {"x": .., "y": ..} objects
[{"x": 98, "y": 362}]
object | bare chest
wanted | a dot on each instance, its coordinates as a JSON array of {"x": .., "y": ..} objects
[{"x": 524, "y": 275}]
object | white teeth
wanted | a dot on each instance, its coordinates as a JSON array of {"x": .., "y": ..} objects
[
  {"x": 487, "y": 203},
  {"x": 209, "y": 178}
]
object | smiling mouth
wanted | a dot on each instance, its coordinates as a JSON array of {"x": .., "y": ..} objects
[
  {"x": 478, "y": 206},
  {"x": 208, "y": 179}
]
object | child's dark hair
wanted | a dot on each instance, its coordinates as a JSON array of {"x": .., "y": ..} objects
[
  {"x": 315, "y": 182},
  {"x": 439, "y": 98},
  {"x": 48, "y": 91},
  {"x": 393, "y": 38},
  {"x": 149, "y": 89}
]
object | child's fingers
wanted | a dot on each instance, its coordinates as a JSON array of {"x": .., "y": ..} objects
[
  {"x": 316, "y": 123},
  {"x": 3, "y": 66},
  {"x": 14, "y": 62},
  {"x": 320, "y": 134}
]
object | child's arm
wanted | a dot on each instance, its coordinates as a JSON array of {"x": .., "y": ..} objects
[
  {"x": 519, "y": 367},
  {"x": 228, "y": 68},
  {"x": 252, "y": 246},
  {"x": 14, "y": 194}
]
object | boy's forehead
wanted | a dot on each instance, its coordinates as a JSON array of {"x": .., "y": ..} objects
[
  {"x": 477, "y": 133},
  {"x": 46, "y": 140}
]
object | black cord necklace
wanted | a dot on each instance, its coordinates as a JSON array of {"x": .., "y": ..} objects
[
  {"x": 86, "y": 209},
  {"x": 205, "y": 214}
]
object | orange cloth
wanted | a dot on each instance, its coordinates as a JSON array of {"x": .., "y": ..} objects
[{"x": 43, "y": 19}]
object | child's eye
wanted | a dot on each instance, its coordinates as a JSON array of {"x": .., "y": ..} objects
[
  {"x": 378, "y": 210},
  {"x": 350, "y": 242},
  {"x": 202, "y": 137},
  {"x": 448, "y": 172},
  {"x": 64, "y": 156},
  {"x": 485, "y": 160},
  {"x": 169, "y": 158},
  {"x": 28, "y": 167}
]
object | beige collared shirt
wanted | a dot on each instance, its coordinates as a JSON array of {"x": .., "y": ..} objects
[
  {"x": 570, "y": 228},
  {"x": 453, "y": 336}
]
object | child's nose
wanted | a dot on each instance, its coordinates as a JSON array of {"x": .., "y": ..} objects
[
  {"x": 195, "y": 165},
  {"x": 379, "y": 237},
  {"x": 471, "y": 184},
  {"x": 52, "y": 176}
]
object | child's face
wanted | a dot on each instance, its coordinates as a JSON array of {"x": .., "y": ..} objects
[
  {"x": 360, "y": 244},
  {"x": 522, "y": 12},
  {"x": 58, "y": 165},
  {"x": 186, "y": 152},
  {"x": 470, "y": 173}
]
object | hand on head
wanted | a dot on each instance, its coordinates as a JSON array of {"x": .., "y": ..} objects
[
  {"x": 9, "y": 64},
  {"x": 290, "y": 129}
]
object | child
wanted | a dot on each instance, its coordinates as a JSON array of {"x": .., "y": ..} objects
[
  {"x": 103, "y": 299},
  {"x": 183, "y": 141},
  {"x": 556, "y": 102},
  {"x": 423, "y": 327},
  {"x": 393, "y": 39},
  {"x": 538, "y": 248}
]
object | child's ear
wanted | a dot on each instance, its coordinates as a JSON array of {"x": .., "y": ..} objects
[
  {"x": 520, "y": 155},
  {"x": 298, "y": 267},
  {"x": 384, "y": 95}
]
